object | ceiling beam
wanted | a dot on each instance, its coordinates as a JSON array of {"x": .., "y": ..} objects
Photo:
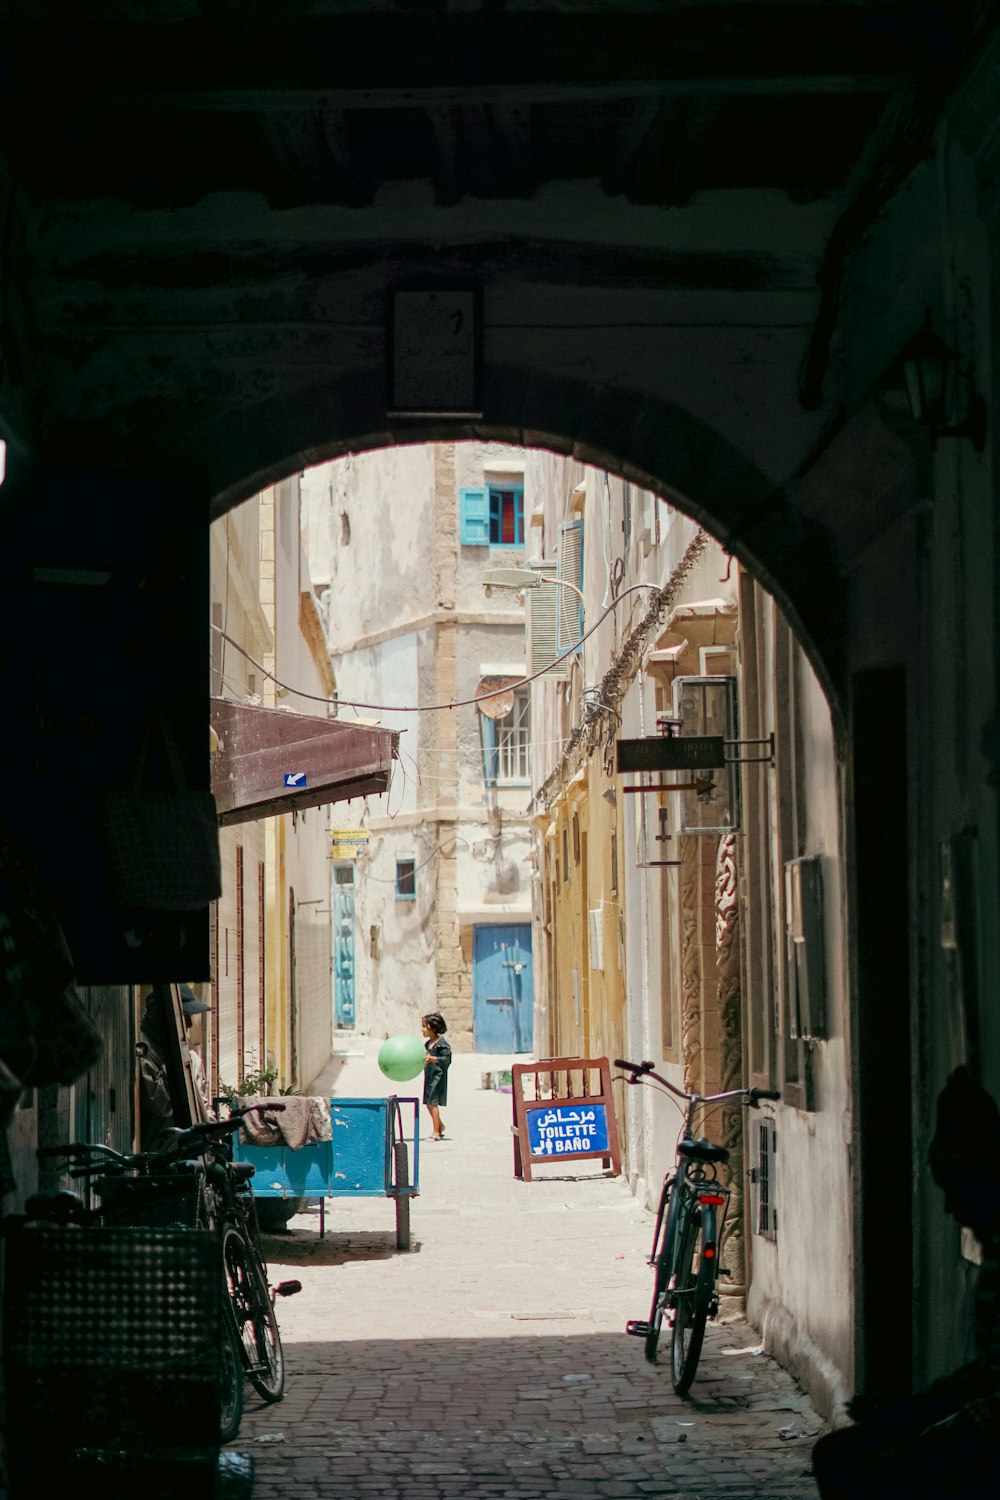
[
  {"x": 416, "y": 96},
  {"x": 386, "y": 60}
]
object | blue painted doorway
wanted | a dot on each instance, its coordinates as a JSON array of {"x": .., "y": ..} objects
[
  {"x": 503, "y": 989},
  {"x": 343, "y": 946}
]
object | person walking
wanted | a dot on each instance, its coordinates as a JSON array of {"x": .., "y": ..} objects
[{"x": 436, "y": 1065}]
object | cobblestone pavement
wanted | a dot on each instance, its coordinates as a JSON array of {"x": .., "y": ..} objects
[{"x": 490, "y": 1361}]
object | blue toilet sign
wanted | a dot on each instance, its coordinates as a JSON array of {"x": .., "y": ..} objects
[{"x": 566, "y": 1130}]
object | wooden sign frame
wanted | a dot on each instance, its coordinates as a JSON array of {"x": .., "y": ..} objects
[{"x": 569, "y": 1088}]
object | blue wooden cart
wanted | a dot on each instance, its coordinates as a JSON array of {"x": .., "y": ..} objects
[{"x": 368, "y": 1157}]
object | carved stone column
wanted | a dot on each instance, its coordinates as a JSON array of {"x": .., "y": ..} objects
[
  {"x": 691, "y": 966},
  {"x": 727, "y": 966}
]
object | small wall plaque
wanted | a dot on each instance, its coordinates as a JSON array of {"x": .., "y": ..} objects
[{"x": 434, "y": 352}]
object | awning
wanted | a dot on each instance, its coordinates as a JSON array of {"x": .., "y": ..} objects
[{"x": 272, "y": 761}]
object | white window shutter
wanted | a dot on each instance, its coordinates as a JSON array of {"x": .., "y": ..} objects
[
  {"x": 543, "y": 625},
  {"x": 570, "y": 567}
]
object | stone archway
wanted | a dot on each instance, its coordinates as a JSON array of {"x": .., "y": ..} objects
[{"x": 654, "y": 442}]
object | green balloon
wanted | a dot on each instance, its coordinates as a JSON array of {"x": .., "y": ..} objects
[{"x": 401, "y": 1057}]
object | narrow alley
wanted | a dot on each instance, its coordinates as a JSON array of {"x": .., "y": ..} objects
[{"x": 491, "y": 1360}]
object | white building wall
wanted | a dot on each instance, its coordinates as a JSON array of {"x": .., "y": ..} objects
[
  {"x": 399, "y": 597},
  {"x": 261, "y": 593}
]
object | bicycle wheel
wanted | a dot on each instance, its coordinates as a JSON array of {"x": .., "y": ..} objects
[
  {"x": 692, "y": 1296},
  {"x": 659, "y": 1279},
  {"x": 250, "y": 1296},
  {"x": 232, "y": 1378}
]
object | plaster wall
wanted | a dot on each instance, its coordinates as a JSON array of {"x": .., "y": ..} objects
[
  {"x": 366, "y": 523},
  {"x": 802, "y": 1288},
  {"x": 259, "y": 576},
  {"x": 410, "y": 627}
]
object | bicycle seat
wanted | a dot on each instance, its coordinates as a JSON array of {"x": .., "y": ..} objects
[
  {"x": 702, "y": 1150},
  {"x": 242, "y": 1170},
  {"x": 57, "y": 1205}
]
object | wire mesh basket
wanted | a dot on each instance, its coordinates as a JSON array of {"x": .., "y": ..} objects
[
  {"x": 169, "y": 1201},
  {"x": 112, "y": 1342}
]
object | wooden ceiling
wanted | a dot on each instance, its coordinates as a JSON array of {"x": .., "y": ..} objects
[{"x": 491, "y": 100}]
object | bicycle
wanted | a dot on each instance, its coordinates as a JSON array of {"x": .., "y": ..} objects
[
  {"x": 234, "y": 1211},
  {"x": 687, "y": 1237},
  {"x": 190, "y": 1184}
]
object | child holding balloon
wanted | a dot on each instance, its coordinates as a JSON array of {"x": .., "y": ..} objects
[{"x": 436, "y": 1065}]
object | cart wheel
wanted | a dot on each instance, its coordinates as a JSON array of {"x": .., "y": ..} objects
[{"x": 401, "y": 1170}]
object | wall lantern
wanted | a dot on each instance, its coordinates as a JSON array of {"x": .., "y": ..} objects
[{"x": 934, "y": 383}]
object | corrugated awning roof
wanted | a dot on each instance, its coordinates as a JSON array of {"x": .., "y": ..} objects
[{"x": 272, "y": 761}]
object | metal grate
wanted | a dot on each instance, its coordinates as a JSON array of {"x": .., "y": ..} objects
[{"x": 762, "y": 1177}]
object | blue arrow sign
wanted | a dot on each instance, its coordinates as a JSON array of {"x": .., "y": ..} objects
[{"x": 295, "y": 778}]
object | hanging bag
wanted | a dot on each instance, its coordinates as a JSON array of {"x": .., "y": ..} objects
[{"x": 161, "y": 842}]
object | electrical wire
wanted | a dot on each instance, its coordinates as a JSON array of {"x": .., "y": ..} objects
[
  {"x": 456, "y": 838},
  {"x": 424, "y": 708}
]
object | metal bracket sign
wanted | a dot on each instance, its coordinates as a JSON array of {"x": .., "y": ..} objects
[
  {"x": 672, "y": 753},
  {"x": 563, "y": 1111}
]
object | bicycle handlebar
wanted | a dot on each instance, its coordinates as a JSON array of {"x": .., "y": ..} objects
[
  {"x": 186, "y": 1138},
  {"x": 644, "y": 1069}
]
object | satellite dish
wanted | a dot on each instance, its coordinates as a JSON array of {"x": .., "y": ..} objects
[{"x": 501, "y": 700}]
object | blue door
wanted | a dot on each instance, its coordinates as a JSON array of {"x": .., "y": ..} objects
[
  {"x": 343, "y": 945},
  {"x": 502, "y": 989}
]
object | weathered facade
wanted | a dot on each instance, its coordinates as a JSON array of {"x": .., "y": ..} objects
[
  {"x": 402, "y": 540},
  {"x": 664, "y": 918},
  {"x": 271, "y": 988}
]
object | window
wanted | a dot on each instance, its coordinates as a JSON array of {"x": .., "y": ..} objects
[
  {"x": 764, "y": 1213},
  {"x": 492, "y": 516},
  {"x": 506, "y": 517},
  {"x": 507, "y": 743},
  {"x": 514, "y": 740},
  {"x": 406, "y": 880}
]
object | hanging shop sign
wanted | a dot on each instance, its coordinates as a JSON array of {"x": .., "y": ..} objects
[{"x": 660, "y": 752}]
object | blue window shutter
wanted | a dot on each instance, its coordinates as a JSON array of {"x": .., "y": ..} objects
[
  {"x": 491, "y": 756},
  {"x": 474, "y": 518}
]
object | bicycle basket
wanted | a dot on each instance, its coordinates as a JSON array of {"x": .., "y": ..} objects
[
  {"x": 112, "y": 1340},
  {"x": 171, "y": 1201}
]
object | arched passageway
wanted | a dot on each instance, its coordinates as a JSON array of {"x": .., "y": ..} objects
[{"x": 699, "y": 259}]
